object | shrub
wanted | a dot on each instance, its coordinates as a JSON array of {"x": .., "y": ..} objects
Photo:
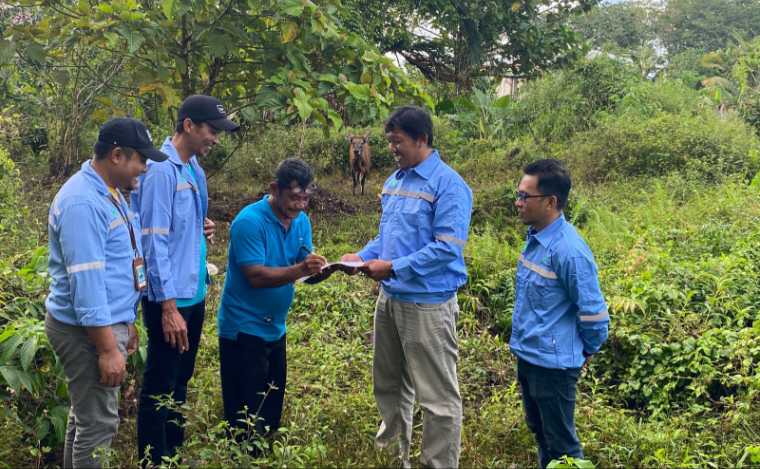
[
  {"x": 703, "y": 144},
  {"x": 258, "y": 159},
  {"x": 561, "y": 103}
]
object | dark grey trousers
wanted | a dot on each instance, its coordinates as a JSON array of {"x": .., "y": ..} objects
[
  {"x": 94, "y": 412},
  {"x": 549, "y": 402}
]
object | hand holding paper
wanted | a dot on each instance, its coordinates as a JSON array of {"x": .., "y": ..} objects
[{"x": 348, "y": 264}]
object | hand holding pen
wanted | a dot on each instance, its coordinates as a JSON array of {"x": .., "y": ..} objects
[{"x": 313, "y": 263}]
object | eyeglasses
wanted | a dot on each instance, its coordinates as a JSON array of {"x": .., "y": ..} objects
[
  {"x": 299, "y": 191},
  {"x": 523, "y": 196}
]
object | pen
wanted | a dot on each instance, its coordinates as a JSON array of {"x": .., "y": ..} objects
[{"x": 304, "y": 248}]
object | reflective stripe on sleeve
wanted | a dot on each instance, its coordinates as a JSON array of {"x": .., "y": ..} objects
[
  {"x": 414, "y": 195},
  {"x": 537, "y": 268},
  {"x": 120, "y": 221},
  {"x": 72, "y": 269},
  {"x": 155, "y": 231},
  {"x": 595, "y": 317},
  {"x": 451, "y": 239}
]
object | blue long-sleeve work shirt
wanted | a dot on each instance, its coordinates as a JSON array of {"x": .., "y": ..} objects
[
  {"x": 172, "y": 203},
  {"x": 560, "y": 315},
  {"x": 90, "y": 254},
  {"x": 423, "y": 231}
]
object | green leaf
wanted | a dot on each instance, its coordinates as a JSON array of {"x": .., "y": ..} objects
[
  {"x": 134, "y": 38},
  {"x": 105, "y": 8},
  {"x": 292, "y": 7},
  {"x": 11, "y": 376},
  {"x": 167, "y": 6},
  {"x": 334, "y": 117},
  {"x": 28, "y": 351},
  {"x": 289, "y": 32},
  {"x": 26, "y": 380},
  {"x": 218, "y": 44},
  {"x": 9, "y": 348},
  {"x": 358, "y": 92},
  {"x": 502, "y": 103},
  {"x": 302, "y": 103},
  {"x": 59, "y": 416},
  {"x": 35, "y": 52}
]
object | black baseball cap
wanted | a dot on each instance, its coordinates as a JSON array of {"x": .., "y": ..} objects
[
  {"x": 201, "y": 108},
  {"x": 128, "y": 132}
]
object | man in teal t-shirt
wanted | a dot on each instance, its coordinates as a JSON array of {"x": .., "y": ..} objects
[
  {"x": 200, "y": 294},
  {"x": 270, "y": 248}
]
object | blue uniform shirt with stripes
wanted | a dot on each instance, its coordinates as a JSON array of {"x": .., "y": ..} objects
[
  {"x": 172, "y": 205},
  {"x": 423, "y": 231},
  {"x": 560, "y": 315},
  {"x": 90, "y": 254}
]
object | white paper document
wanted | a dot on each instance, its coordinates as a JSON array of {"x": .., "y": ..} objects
[{"x": 328, "y": 269}]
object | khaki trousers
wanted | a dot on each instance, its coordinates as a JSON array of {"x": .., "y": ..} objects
[{"x": 416, "y": 354}]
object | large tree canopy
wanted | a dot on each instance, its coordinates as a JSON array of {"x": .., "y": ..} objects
[
  {"x": 623, "y": 26},
  {"x": 707, "y": 24},
  {"x": 457, "y": 41},
  {"x": 285, "y": 58}
]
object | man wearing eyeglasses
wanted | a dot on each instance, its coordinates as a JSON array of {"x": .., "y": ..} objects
[
  {"x": 560, "y": 317},
  {"x": 418, "y": 259},
  {"x": 270, "y": 248},
  {"x": 172, "y": 200}
]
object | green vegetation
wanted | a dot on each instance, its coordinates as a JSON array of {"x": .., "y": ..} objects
[{"x": 665, "y": 156}]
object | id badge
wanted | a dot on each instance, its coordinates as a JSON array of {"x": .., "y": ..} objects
[{"x": 138, "y": 272}]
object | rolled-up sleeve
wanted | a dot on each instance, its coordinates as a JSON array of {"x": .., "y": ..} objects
[
  {"x": 451, "y": 224},
  {"x": 582, "y": 283},
  {"x": 82, "y": 236},
  {"x": 156, "y": 198}
]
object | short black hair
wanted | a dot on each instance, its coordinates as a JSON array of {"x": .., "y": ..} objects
[
  {"x": 293, "y": 169},
  {"x": 103, "y": 149},
  {"x": 553, "y": 179},
  {"x": 413, "y": 121}
]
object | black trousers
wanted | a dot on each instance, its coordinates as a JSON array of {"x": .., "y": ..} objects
[
  {"x": 253, "y": 374},
  {"x": 549, "y": 402},
  {"x": 167, "y": 372}
]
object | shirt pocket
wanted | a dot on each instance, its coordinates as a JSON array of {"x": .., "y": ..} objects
[
  {"x": 418, "y": 213},
  {"x": 183, "y": 211},
  {"x": 543, "y": 294}
]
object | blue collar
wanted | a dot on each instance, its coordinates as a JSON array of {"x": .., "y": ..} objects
[
  {"x": 94, "y": 178},
  {"x": 547, "y": 235},
  {"x": 168, "y": 148},
  {"x": 271, "y": 216},
  {"x": 427, "y": 166}
]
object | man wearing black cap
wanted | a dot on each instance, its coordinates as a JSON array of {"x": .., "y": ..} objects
[
  {"x": 172, "y": 200},
  {"x": 97, "y": 273}
]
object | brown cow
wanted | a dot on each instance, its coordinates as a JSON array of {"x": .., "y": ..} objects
[{"x": 358, "y": 160}]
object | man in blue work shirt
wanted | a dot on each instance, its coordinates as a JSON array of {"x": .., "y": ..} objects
[
  {"x": 418, "y": 258},
  {"x": 270, "y": 248},
  {"x": 172, "y": 200},
  {"x": 96, "y": 273},
  {"x": 560, "y": 318}
]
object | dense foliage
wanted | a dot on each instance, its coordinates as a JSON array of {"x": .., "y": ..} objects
[{"x": 666, "y": 192}]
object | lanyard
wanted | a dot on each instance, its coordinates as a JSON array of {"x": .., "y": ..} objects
[{"x": 126, "y": 220}]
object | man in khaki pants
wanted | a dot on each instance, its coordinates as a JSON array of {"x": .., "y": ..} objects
[{"x": 418, "y": 258}]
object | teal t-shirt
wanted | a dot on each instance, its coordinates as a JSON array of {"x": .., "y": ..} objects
[
  {"x": 257, "y": 237},
  {"x": 200, "y": 293}
]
